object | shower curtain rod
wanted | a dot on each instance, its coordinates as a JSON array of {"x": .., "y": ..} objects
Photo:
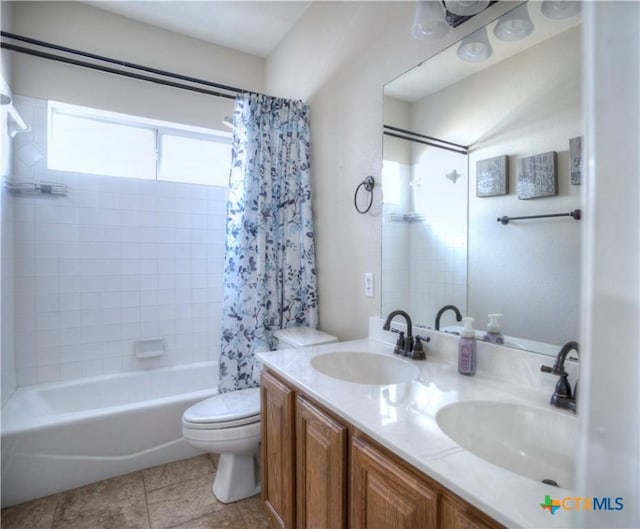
[
  {"x": 125, "y": 64},
  {"x": 425, "y": 140}
]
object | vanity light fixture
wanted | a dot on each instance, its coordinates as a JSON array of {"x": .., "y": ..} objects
[
  {"x": 559, "y": 9},
  {"x": 515, "y": 25},
  {"x": 429, "y": 20},
  {"x": 475, "y": 47},
  {"x": 466, "y": 7}
]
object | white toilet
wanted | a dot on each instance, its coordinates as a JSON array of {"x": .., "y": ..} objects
[{"x": 229, "y": 424}]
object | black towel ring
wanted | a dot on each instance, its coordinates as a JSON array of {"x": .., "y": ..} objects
[{"x": 368, "y": 183}]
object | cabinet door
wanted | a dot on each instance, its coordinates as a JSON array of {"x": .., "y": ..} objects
[
  {"x": 321, "y": 467},
  {"x": 278, "y": 473},
  {"x": 461, "y": 515},
  {"x": 384, "y": 495}
]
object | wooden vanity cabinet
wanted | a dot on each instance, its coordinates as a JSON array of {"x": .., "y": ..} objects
[
  {"x": 277, "y": 451},
  {"x": 384, "y": 495},
  {"x": 320, "y": 473},
  {"x": 460, "y": 515},
  {"x": 321, "y": 469}
]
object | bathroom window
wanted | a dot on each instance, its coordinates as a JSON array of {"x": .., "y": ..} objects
[
  {"x": 195, "y": 160},
  {"x": 85, "y": 140}
]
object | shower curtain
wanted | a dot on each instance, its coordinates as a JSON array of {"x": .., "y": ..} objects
[{"x": 269, "y": 277}]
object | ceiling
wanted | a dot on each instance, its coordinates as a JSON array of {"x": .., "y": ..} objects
[{"x": 254, "y": 27}]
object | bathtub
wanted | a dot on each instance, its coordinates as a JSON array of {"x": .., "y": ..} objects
[{"x": 63, "y": 435}]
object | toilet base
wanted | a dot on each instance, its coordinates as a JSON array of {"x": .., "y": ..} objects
[{"x": 237, "y": 477}]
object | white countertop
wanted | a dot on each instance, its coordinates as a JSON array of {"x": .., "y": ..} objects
[{"x": 402, "y": 417}]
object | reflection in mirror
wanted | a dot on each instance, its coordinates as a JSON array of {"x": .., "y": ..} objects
[{"x": 441, "y": 241}]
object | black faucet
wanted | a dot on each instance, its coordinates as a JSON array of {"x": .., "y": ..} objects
[
  {"x": 445, "y": 309},
  {"x": 405, "y": 345},
  {"x": 562, "y": 396}
]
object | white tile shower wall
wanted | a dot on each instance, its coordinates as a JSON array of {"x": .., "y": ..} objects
[
  {"x": 438, "y": 243},
  {"x": 117, "y": 260},
  {"x": 396, "y": 247},
  {"x": 441, "y": 257},
  {"x": 7, "y": 286}
]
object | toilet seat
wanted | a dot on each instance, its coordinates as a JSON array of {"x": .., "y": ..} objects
[{"x": 225, "y": 410}]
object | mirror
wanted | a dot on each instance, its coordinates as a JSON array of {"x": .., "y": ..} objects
[{"x": 442, "y": 242}]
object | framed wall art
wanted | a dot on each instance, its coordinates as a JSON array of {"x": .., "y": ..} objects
[
  {"x": 491, "y": 177},
  {"x": 575, "y": 160},
  {"x": 536, "y": 176}
]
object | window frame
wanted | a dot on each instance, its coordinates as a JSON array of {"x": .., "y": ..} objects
[{"x": 158, "y": 127}]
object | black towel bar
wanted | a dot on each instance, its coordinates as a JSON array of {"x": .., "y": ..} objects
[{"x": 575, "y": 214}]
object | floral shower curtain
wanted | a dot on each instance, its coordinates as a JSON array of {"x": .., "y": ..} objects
[{"x": 270, "y": 277}]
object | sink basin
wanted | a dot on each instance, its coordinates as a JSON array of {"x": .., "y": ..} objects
[
  {"x": 365, "y": 368},
  {"x": 534, "y": 443}
]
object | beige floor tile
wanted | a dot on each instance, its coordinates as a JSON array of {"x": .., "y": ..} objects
[
  {"x": 118, "y": 502},
  {"x": 183, "y": 470},
  {"x": 227, "y": 518},
  {"x": 116, "y": 516},
  {"x": 252, "y": 511},
  {"x": 178, "y": 496},
  {"x": 182, "y": 502},
  {"x": 35, "y": 514},
  {"x": 97, "y": 496}
]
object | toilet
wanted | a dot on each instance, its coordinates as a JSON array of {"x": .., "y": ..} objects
[{"x": 229, "y": 424}]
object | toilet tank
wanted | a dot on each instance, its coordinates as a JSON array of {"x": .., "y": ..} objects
[{"x": 295, "y": 337}]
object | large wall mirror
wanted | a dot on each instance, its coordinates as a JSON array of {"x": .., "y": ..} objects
[{"x": 510, "y": 134}]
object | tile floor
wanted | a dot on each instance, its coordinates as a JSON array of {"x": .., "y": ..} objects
[{"x": 177, "y": 496}]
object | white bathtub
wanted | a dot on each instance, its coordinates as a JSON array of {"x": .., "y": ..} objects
[{"x": 63, "y": 435}]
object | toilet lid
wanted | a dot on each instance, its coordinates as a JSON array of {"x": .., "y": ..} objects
[
  {"x": 225, "y": 410},
  {"x": 302, "y": 337}
]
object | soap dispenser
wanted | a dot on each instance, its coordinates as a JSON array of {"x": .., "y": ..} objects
[
  {"x": 467, "y": 348},
  {"x": 493, "y": 334}
]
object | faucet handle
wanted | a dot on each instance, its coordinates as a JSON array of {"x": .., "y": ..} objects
[
  {"x": 399, "y": 348},
  {"x": 418, "y": 351},
  {"x": 555, "y": 370}
]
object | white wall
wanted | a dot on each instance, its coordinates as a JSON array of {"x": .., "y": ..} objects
[
  {"x": 80, "y": 26},
  {"x": 610, "y": 371},
  {"x": 338, "y": 57}
]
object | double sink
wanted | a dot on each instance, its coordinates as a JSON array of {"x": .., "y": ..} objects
[{"x": 532, "y": 442}]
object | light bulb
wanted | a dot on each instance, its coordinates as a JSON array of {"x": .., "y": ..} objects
[
  {"x": 466, "y": 8},
  {"x": 475, "y": 47},
  {"x": 559, "y": 9},
  {"x": 429, "y": 21},
  {"x": 515, "y": 25}
]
